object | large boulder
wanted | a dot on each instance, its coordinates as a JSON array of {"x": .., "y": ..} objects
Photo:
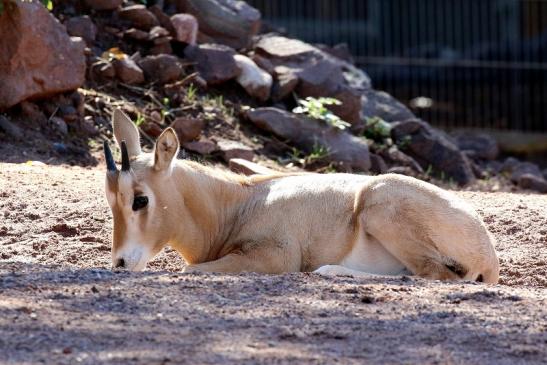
[
  {"x": 37, "y": 58},
  {"x": 343, "y": 148},
  {"x": 380, "y": 104},
  {"x": 318, "y": 74},
  {"x": 214, "y": 62},
  {"x": 229, "y": 22},
  {"x": 477, "y": 145},
  {"x": 253, "y": 79},
  {"x": 432, "y": 148}
]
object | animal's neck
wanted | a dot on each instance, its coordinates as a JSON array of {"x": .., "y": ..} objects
[{"x": 213, "y": 199}]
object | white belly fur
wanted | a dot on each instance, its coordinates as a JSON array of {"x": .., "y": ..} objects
[{"x": 369, "y": 256}]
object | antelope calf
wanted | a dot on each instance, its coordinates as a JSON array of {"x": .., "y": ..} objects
[{"x": 333, "y": 224}]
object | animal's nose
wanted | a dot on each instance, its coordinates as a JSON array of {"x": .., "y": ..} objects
[{"x": 120, "y": 263}]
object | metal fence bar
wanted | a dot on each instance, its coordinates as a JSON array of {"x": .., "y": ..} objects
[{"x": 482, "y": 62}]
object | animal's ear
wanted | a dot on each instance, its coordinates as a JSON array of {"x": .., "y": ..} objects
[
  {"x": 126, "y": 130},
  {"x": 167, "y": 147}
]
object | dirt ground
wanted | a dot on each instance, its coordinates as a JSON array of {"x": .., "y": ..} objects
[{"x": 60, "y": 303}]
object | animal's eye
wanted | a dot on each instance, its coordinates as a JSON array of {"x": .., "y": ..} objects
[{"x": 139, "y": 202}]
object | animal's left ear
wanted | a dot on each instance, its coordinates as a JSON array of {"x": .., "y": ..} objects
[{"x": 167, "y": 147}]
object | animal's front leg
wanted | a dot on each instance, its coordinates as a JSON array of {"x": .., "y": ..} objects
[{"x": 264, "y": 260}]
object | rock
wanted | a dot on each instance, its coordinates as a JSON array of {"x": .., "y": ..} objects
[
  {"x": 246, "y": 167},
  {"x": 159, "y": 35},
  {"x": 264, "y": 64},
  {"x": 161, "y": 49},
  {"x": 350, "y": 109},
  {"x": 396, "y": 157},
  {"x": 285, "y": 83},
  {"x": 319, "y": 74},
  {"x": 139, "y": 17},
  {"x": 128, "y": 71},
  {"x": 32, "y": 114},
  {"x": 431, "y": 148},
  {"x": 82, "y": 26},
  {"x": 257, "y": 82},
  {"x": 162, "y": 68},
  {"x": 152, "y": 129},
  {"x": 544, "y": 172},
  {"x": 533, "y": 182},
  {"x": 38, "y": 58},
  {"x": 343, "y": 148},
  {"x": 68, "y": 113},
  {"x": 187, "y": 129},
  {"x": 402, "y": 170},
  {"x": 377, "y": 164},
  {"x": 164, "y": 19},
  {"x": 88, "y": 127},
  {"x": 517, "y": 168},
  {"x": 284, "y": 49},
  {"x": 214, "y": 62},
  {"x": 477, "y": 145},
  {"x": 340, "y": 51},
  {"x": 104, "y": 4},
  {"x": 380, "y": 104},
  {"x": 231, "y": 149},
  {"x": 186, "y": 28},
  {"x": 10, "y": 129},
  {"x": 203, "y": 146},
  {"x": 59, "y": 125},
  {"x": 229, "y": 22},
  {"x": 136, "y": 34},
  {"x": 105, "y": 70}
]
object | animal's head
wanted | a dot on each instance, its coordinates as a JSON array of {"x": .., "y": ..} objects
[{"x": 140, "y": 194}]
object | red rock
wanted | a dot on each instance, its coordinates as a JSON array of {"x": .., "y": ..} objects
[
  {"x": 203, "y": 146},
  {"x": 139, "y": 16},
  {"x": 233, "y": 149},
  {"x": 245, "y": 167},
  {"x": 228, "y": 22},
  {"x": 257, "y": 82},
  {"x": 104, "y": 4},
  {"x": 161, "y": 68},
  {"x": 186, "y": 28},
  {"x": 136, "y": 34},
  {"x": 164, "y": 19},
  {"x": 82, "y": 26},
  {"x": 343, "y": 148},
  {"x": 187, "y": 129},
  {"x": 214, "y": 62},
  {"x": 38, "y": 58},
  {"x": 128, "y": 71},
  {"x": 152, "y": 129}
]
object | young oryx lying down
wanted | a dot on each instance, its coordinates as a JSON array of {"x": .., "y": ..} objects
[{"x": 223, "y": 222}]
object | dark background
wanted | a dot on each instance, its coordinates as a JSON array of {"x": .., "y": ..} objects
[{"x": 478, "y": 63}]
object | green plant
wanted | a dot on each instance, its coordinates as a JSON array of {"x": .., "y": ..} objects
[
  {"x": 191, "y": 93},
  {"x": 316, "y": 108},
  {"x": 140, "y": 120},
  {"x": 377, "y": 129},
  {"x": 318, "y": 153}
]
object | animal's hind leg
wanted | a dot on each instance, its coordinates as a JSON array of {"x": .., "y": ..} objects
[{"x": 433, "y": 233}]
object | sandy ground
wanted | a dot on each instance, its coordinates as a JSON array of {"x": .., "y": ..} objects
[{"x": 59, "y": 303}]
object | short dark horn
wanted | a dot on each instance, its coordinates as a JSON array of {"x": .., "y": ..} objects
[
  {"x": 110, "y": 164},
  {"x": 125, "y": 157}
]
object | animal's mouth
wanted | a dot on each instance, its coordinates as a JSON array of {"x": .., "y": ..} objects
[{"x": 134, "y": 260}]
